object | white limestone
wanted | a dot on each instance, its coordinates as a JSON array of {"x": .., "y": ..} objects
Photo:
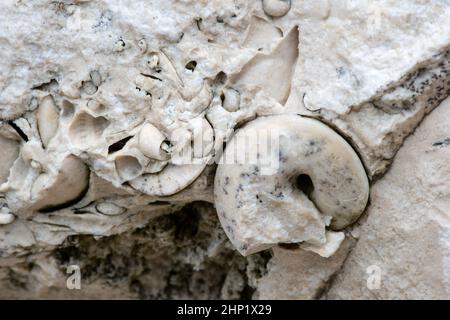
[{"x": 115, "y": 112}]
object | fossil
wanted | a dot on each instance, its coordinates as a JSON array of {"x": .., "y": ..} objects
[
  {"x": 112, "y": 118},
  {"x": 68, "y": 187},
  {"x": 47, "y": 118},
  {"x": 312, "y": 179},
  {"x": 276, "y": 8}
]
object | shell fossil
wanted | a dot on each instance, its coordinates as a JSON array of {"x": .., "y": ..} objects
[
  {"x": 153, "y": 143},
  {"x": 172, "y": 179},
  {"x": 150, "y": 129},
  {"x": 128, "y": 167},
  {"x": 318, "y": 181},
  {"x": 109, "y": 208},
  {"x": 192, "y": 147},
  {"x": 276, "y": 8},
  {"x": 66, "y": 188},
  {"x": 86, "y": 130},
  {"x": 47, "y": 117}
]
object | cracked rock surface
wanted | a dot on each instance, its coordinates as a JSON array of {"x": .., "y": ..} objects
[{"x": 114, "y": 116}]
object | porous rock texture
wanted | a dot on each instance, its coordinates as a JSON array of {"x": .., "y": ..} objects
[{"x": 99, "y": 101}]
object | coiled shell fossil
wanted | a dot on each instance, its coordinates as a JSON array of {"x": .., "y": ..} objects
[{"x": 296, "y": 179}]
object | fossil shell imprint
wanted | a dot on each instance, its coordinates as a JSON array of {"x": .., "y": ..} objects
[
  {"x": 69, "y": 186},
  {"x": 86, "y": 130},
  {"x": 109, "y": 208},
  {"x": 47, "y": 117},
  {"x": 9, "y": 153},
  {"x": 127, "y": 166},
  {"x": 272, "y": 72},
  {"x": 303, "y": 177}
]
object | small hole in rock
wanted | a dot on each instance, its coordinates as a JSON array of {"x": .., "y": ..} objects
[
  {"x": 159, "y": 203},
  {"x": 198, "y": 21},
  {"x": 191, "y": 65},
  {"x": 18, "y": 130},
  {"x": 118, "y": 145},
  {"x": 289, "y": 246},
  {"x": 220, "y": 78},
  {"x": 305, "y": 184},
  {"x": 47, "y": 86},
  {"x": 187, "y": 225},
  {"x": 151, "y": 76}
]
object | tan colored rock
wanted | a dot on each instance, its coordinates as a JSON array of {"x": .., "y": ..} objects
[
  {"x": 298, "y": 274},
  {"x": 405, "y": 239}
]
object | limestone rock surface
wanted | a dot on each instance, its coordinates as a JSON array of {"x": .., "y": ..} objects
[
  {"x": 114, "y": 116},
  {"x": 405, "y": 237}
]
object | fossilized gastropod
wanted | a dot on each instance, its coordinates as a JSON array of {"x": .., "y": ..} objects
[
  {"x": 191, "y": 149},
  {"x": 296, "y": 177},
  {"x": 153, "y": 143}
]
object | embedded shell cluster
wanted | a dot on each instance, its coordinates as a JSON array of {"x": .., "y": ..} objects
[
  {"x": 131, "y": 124},
  {"x": 113, "y": 114}
]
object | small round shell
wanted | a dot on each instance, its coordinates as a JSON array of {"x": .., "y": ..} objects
[{"x": 276, "y": 8}]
